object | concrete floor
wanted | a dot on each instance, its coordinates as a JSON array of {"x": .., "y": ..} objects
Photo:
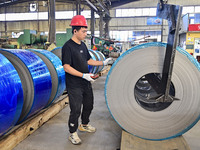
[
  {"x": 53, "y": 135},
  {"x": 192, "y": 137}
]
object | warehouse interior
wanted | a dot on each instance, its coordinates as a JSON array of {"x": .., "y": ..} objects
[{"x": 146, "y": 98}]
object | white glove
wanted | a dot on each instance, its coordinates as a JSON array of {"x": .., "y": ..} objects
[
  {"x": 105, "y": 62},
  {"x": 87, "y": 76}
]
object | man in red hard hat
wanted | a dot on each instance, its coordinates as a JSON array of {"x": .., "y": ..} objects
[{"x": 75, "y": 60}]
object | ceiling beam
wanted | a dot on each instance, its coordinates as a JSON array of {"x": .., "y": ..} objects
[
  {"x": 121, "y": 2},
  {"x": 103, "y": 6},
  {"x": 3, "y": 4},
  {"x": 91, "y": 5}
]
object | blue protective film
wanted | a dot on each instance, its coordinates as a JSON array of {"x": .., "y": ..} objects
[
  {"x": 102, "y": 59},
  {"x": 58, "y": 68},
  {"x": 91, "y": 68},
  {"x": 11, "y": 95},
  {"x": 97, "y": 59},
  {"x": 41, "y": 79},
  {"x": 58, "y": 52}
]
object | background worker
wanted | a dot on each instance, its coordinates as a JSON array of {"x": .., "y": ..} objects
[{"x": 75, "y": 60}]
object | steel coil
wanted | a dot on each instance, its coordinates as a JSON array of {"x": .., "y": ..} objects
[
  {"x": 129, "y": 96},
  {"x": 102, "y": 58},
  {"x": 91, "y": 68},
  {"x": 35, "y": 78},
  {"x": 56, "y": 70},
  {"x": 58, "y": 52},
  {"x": 96, "y": 55},
  {"x": 11, "y": 95}
]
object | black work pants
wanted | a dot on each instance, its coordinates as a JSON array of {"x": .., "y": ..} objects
[{"x": 78, "y": 97}]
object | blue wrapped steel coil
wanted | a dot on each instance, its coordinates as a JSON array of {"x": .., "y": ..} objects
[
  {"x": 58, "y": 52},
  {"x": 91, "y": 68},
  {"x": 11, "y": 95},
  {"x": 35, "y": 77},
  {"x": 57, "y": 72},
  {"x": 102, "y": 58},
  {"x": 96, "y": 55}
]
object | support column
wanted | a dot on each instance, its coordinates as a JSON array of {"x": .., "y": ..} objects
[
  {"x": 162, "y": 31},
  {"x": 38, "y": 21},
  {"x": 5, "y": 22},
  {"x": 92, "y": 24},
  {"x": 106, "y": 29},
  {"x": 101, "y": 24},
  {"x": 78, "y": 7},
  {"x": 52, "y": 21}
]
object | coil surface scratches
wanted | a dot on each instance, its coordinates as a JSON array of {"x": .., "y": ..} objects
[
  {"x": 35, "y": 78},
  {"x": 11, "y": 95},
  {"x": 131, "y": 99},
  {"x": 56, "y": 70}
]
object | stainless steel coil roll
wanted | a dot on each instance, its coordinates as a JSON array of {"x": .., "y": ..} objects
[
  {"x": 102, "y": 58},
  {"x": 58, "y": 52},
  {"x": 35, "y": 78},
  {"x": 129, "y": 96},
  {"x": 56, "y": 70},
  {"x": 96, "y": 55},
  {"x": 11, "y": 95},
  {"x": 91, "y": 68}
]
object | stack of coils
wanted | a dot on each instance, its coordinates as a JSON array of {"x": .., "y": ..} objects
[{"x": 41, "y": 77}]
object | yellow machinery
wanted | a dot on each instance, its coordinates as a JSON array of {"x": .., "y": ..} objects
[{"x": 193, "y": 44}]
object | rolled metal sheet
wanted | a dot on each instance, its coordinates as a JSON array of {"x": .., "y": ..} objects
[
  {"x": 96, "y": 55},
  {"x": 35, "y": 78},
  {"x": 58, "y": 52},
  {"x": 166, "y": 122},
  {"x": 11, "y": 95},
  {"x": 56, "y": 70},
  {"x": 102, "y": 58},
  {"x": 91, "y": 68}
]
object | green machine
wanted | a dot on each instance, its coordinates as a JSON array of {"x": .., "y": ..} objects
[
  {"x": 105, "y": 46},
  {"x": 61, "y": 38},
  {"x": 31, "y": 39}
]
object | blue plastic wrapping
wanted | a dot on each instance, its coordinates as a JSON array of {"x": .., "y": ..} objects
[
  {"x": 102, "y": 58},
  {"x": 11, "y": 95},
  {"x": 58, "y": 69},
  {"x": 146, "y": 45},
  {"x": 95, "y": 68},
  {"x": 58, "y": 52},
  {"x": 91, "y": 68},
  {"x": 40, "y": 77}
]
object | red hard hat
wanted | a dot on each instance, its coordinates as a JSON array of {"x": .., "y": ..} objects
[{"x": 79, "y": 20}]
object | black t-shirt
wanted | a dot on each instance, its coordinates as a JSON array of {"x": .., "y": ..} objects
[{"x": 76, "y": 55}]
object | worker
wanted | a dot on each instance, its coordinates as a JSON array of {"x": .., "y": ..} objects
[{"x": 75, "y": 60}]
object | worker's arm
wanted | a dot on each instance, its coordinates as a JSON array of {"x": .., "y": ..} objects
[
  {"x": 99, "y": 63},
  {"x": 72, "y": 71},
  {"x": 94, "y": 62}
]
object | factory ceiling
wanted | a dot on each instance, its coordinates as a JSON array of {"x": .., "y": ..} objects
[{"x": 97, "y": 5}]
